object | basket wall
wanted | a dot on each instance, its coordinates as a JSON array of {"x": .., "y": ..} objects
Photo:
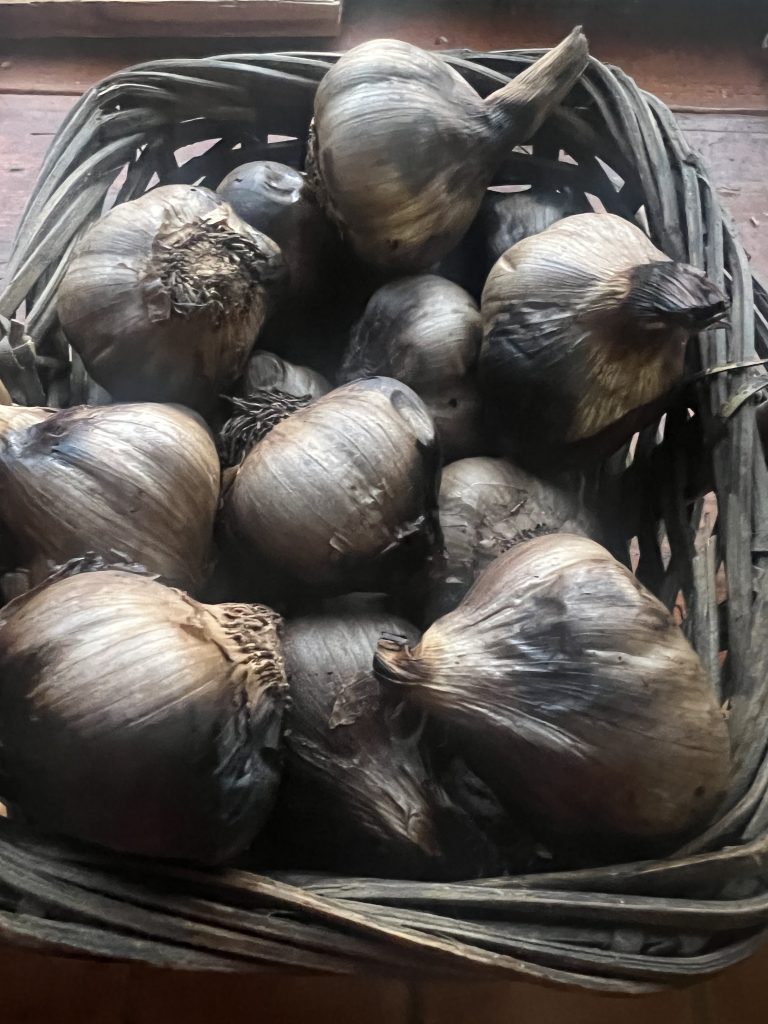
[{"x": 622, "y": 928}]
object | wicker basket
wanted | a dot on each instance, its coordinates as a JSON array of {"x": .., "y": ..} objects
[{"x": 625, "y": 928}]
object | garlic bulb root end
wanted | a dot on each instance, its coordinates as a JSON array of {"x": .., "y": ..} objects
[
  {"x": 258, "y": 414},
  {"x": 207, "y": 267}
]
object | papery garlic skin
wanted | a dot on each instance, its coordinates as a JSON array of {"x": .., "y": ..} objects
[
  {"x": 343, "y": 489},
  {"x": 133, "y": 717},
  {"x": 139, "y": 479},
  {"x": 343, "y": 752},
  {"x": 164, "y": 296},
  {"x": 487, "y": 506},
  {"x": 422, "y": 330},
  {"x": 16, "y": 417},
  {"x": 574, "y": 695},
  {"x": 267, "y": 371},
  {"x": 403, "y": 148},
  {"x": 584, "y": 333}
]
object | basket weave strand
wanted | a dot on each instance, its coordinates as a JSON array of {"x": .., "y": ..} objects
[{"x": 623, "y": 928}]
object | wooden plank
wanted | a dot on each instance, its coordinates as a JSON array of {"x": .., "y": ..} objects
[
  {"x": 521, "y": 1003},
  {"x": 173, "y": 997},
  {"x": 27, "y": 125},
  {"x": 682, "y": 52},
  {"x": 735, "y": 148},
  {"x": 740, "y": 994},
  {"x": 41, "y": 989},
  {"x": 22, "y": 19}
]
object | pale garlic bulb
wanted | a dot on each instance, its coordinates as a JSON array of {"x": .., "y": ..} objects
[
  {"x": 340, "y": 494},
  {"x": 269, "y": 372},
  {"x": 487, "y": 506},
  {"x": 15, "y": 417},
  {"x": 370, "y": 790}
]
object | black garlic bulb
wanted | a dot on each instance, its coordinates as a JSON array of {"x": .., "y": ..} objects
[
  {"x": 268, "y": 372},
  {"x": 342, "y": 493},
  {"x": 360, "y": 793},
  {"x": 134, "y": 717},
  {"x": 141, "y": 480},
  {"x": 403, "y": 148},
  {"x": 506, "y": 218},
  {"x": 164, "y": 296},
  {"x": 274, "y": 198},
  {"x": 503, "y": 219},
  {"x": 487, "y": 506},
  {"x": 574, "y": 695},
  {"x": 356, "y": 792},
  {"x": 585, "y": 329},
  {"x": 426, "y": 332}
]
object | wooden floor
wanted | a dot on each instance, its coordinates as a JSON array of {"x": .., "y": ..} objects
[
  {"x": 41, "y": 990},
  {"x": 705, "y": 56}
]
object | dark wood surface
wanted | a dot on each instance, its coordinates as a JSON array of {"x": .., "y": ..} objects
[
  {"x": 704, "y": 53},
  {"x": 701, "y": 56},
  {"x": 36, "y": 989},
  {"x": 115, "y": 18}
]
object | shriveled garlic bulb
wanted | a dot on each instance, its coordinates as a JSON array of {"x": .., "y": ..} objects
[
  {"x": 403, "y": 148},
  {"x": 585, "y": 327},
  {"x": 426, "y": 332},
  {"x": 15, "y": 417},
  {"x": 142, "y": 480},
  {"x": 164, "y": 296},
  {"x": 486, "y": 507},
  {"x": 573, "y": 694},
  {"x": 359, "y": 793},
  {"x": 5, "y": 398},
  {"x": 342, "y": 493},
  {"x": 274, "y": 198},
  {"x": 134, "y": 717},
  {"x": 356, "y": 790},
  {"x": 268, "y": 372}
]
